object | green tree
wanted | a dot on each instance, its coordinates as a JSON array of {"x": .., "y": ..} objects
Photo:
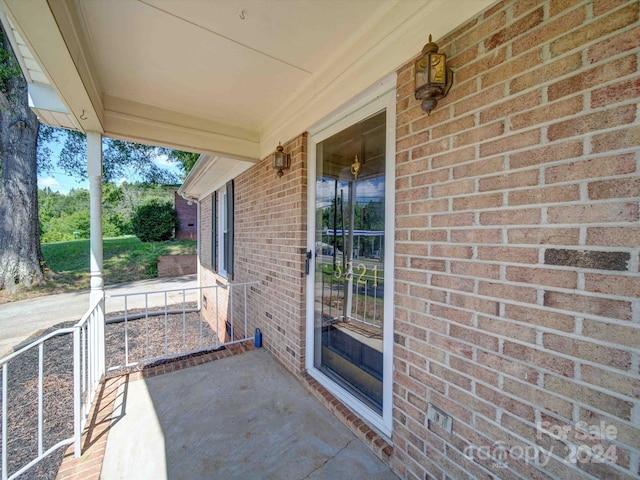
[
  {"x": 186, "y": 159},
  {"x": 50, "y": 205},
  {"x": 121, "y": 202},
  {"x": 67, "y": 227}
]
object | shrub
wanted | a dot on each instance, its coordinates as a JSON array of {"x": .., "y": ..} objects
[{"x": 154, "y": 221}]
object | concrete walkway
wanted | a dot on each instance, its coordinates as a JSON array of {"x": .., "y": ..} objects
[
  {"x": 235, "y": 418},
  {"x": 20, "y": 320}
]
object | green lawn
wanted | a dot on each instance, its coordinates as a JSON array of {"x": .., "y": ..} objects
[{"x": 125, "y": 259}]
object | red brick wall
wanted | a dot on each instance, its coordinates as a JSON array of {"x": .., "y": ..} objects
[
  {"x": 517, "y": 255},
  {"x": 214, "y": 301},
  {"x": 269, "y": 246},
  {"x": 206, "y": 217},
  {"x": 187, "y": 216}
]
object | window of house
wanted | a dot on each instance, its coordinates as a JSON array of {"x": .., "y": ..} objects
[{"x": 222, "y": 231}]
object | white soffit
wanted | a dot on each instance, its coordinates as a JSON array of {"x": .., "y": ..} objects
[
  {"x": 39, "y": 40},
  {"x": 43, "y": 99},
  {"x": 209, "y": 174}
]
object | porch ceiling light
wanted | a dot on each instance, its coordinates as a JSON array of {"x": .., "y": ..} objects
[
  {"x": 433, "y": 78},
  {"x": 281, "y": 160}
]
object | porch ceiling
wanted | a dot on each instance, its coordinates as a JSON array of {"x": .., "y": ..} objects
[{"x": 227, "y": 77}]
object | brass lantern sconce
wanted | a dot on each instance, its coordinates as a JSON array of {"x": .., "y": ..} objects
[
  {"x": 281, "y": 160},
  {"x": 433, "y": 78}
]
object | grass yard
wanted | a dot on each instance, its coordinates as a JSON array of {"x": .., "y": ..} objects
[{"x": 125, "y": 259}]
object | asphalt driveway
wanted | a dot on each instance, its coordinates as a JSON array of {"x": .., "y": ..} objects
[{"x": 20, "y": 320}]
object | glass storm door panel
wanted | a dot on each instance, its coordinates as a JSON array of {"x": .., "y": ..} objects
[{"x": 349, "y": 244}]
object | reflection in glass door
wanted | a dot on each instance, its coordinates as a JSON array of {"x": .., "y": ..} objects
[{"x": 349, "y": 270}]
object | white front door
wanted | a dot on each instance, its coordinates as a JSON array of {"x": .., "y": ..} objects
[{"x": 350, "y": 309}]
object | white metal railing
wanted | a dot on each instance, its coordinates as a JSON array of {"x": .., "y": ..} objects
[
  {"x": 88, "y": 369},
  {"x": 201, "y": 318},
  {"x": 165, "y": 324},
  {"x": 88, "y": 365}
]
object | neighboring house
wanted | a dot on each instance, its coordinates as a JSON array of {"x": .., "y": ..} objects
[
  {"x": 187, "y": 218},
  {"x": 475, "y": 299}
]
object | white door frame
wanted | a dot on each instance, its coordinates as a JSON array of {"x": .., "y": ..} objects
[{"x": 380, "y": 97}]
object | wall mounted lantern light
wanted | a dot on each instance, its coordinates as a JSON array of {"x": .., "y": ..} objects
[
  {"x": 281, "y": 160},
  {"x": 433, "y": 78}
]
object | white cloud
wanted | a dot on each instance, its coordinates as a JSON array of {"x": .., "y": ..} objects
[
  {"x": 48, "y": 182},
  {"x": 61, "y": 183},
  {"x": 372, "y": 189}
]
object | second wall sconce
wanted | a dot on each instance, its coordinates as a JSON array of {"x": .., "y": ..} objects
[
  {"x": 281, "y": 160},
  {"x": 433, "y": 78}
]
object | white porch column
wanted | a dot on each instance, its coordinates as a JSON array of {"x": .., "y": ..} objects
[{"x": 94, "y": 170}]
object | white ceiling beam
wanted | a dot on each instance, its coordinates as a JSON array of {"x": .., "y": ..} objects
[
  {"x": 143, "y": 130},
  {"x": 129, "y": 120}
]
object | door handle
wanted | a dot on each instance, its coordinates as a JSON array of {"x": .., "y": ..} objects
[{"x": 306, "y": 262}]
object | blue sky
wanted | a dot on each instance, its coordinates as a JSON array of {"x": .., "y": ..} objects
[
  {"x": 57, "y": 180},
  {"x": 60, "y": 182}
]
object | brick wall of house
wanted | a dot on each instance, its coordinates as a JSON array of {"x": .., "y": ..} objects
[
  {"x": 205, "y": 231},
  {"x": 187, "y": 215},
  {"x": 215, "y": 293},
  {"x": 216, "y": 308},
  {"x": 518, "y": 242},
  {"x": 212, "y": 311},
  {"x": 269, "y": 246}
]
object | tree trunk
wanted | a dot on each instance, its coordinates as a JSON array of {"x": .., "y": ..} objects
[{"x": 21, "y": 261}]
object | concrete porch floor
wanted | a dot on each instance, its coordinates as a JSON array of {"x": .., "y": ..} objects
[{"x": 239, "y": 417}]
